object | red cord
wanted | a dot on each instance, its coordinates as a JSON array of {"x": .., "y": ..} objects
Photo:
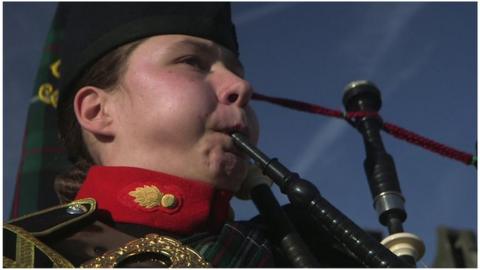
[
  {"x": 392, "y": 129},
  {"x": 299, "y": 105},
  {"x": 427, "y": 143}
]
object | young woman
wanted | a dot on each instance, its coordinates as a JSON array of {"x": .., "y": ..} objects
[{"x": 149, "y": 95}]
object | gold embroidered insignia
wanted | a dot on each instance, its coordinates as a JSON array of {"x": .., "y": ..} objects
[
  {"x": 47, "y": 94},
  {"x": 55, "y": 68},
  {"x": 147, "y": 196}
]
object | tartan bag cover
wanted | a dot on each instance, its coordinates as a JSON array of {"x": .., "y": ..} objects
[{"x": 43, "y": 156}]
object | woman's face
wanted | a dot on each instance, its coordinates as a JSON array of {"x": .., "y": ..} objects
[{"x": 178, "y": 100}]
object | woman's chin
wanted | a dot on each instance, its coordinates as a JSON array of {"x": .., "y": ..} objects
[{"x": 230, "y": 173}]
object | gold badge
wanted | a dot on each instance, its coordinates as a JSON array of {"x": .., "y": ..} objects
[{"x": 147, "y": 196}]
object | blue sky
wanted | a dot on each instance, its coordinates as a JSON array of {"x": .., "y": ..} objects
[{"x": 422, "y": 56}]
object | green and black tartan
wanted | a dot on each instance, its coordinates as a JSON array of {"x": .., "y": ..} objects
[
  {"x": 43, "y": 156},
  {"x": 239, "y": 244}
]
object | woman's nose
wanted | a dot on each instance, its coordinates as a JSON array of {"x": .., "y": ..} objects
[{"x": 236, "y": 90}]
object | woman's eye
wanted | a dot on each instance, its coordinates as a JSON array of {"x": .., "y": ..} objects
[{"x": 195, "y": 62}]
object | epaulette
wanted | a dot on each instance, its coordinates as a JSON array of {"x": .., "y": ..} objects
[{"x": 21, "y": 246}]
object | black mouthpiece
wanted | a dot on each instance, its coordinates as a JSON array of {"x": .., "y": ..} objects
[
  {"x": 245, "y": 146},
  {"x": 270, "y": 167}
]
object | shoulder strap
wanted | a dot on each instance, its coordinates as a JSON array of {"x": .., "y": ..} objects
[
  {"x": 47, "y": 221},
  {"x": 21, "y": 245}
]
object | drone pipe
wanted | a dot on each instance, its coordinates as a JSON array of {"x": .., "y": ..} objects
[{"x": 364, "y": 96}]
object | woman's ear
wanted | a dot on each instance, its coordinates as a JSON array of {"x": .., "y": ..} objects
[{"x": 90, "y": 106}]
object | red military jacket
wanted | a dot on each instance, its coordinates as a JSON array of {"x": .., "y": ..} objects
[{"x": 131, "y": 217}]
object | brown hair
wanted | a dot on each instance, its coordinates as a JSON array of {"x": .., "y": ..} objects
[{"x": 105, "y": 74}]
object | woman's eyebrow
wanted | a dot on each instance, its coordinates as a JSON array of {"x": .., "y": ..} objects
[
  {"x": 197, "y": 46},
  {"x": 211, "y": 50}
]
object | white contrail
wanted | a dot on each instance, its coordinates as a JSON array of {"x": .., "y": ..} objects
[
  {"x": 395, "y": 27},
  {"x": 408, "y": 71},
  {"x": 327, "y": 135},
  {"x": 322, "y": 140}
]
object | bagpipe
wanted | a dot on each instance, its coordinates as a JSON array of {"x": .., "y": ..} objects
[{"x": 362, "y": 101}]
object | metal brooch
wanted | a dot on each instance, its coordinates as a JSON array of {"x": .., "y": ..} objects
[{"x": 175, "y": 254}]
